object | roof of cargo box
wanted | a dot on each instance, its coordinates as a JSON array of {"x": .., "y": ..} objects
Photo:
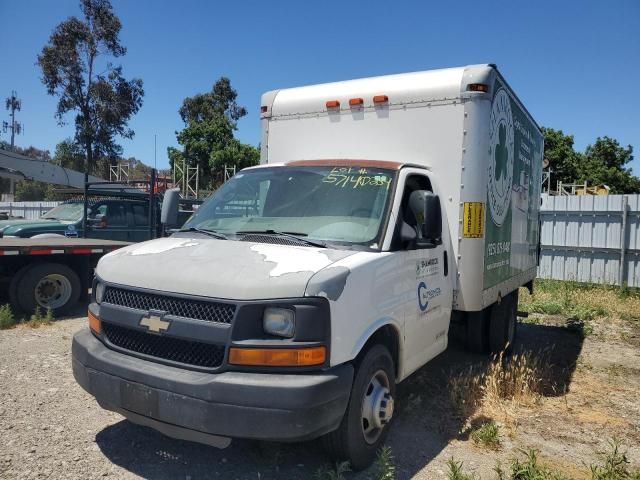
[{"x": 416, "y": 87}]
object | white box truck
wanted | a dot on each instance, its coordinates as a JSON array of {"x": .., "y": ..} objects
[{"x": 302, "y": 291}]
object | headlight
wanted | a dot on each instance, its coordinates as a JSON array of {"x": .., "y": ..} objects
[
  {"x": 279, "y": 321},
  {"x": 99, "y": 293}
]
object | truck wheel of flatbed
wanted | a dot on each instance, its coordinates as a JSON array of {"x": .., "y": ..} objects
[
  {"x": 503, "y": 324},
  {"x": 13, "y": 289},
  {"x": 477, "y": 331},
  {"x": 366, "y": 422},
  {"x": 48, "y": 285}
]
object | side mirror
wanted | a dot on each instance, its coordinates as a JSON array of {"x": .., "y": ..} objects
[
  {"x": 170, "y": 206},
  {"x": 427, "y": 211},
  {"x": 98, "y": 221}
]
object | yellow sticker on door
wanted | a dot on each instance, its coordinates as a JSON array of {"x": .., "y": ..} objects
[{"x": 473, "y": 220}]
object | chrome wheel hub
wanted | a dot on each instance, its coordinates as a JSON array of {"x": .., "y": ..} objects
[
  {"x": 377, "y": 406},
  {"x": 53, "y": 291}
]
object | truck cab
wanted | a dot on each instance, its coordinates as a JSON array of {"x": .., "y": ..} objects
[
  {"x": 300, "y": 293},
  {"x": 107, "y": 219}
]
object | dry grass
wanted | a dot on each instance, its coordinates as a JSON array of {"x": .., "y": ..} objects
[{"x": 502, "y": 385}]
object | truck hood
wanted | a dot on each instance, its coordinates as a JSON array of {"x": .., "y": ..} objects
[
  {"x": 227, "y": 269},
  {"x": 34, "y": 227},
  {"x": 10, "y": 223}
]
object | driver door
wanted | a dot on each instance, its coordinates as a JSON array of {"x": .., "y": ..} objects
[{"x": 427, "y": 283}]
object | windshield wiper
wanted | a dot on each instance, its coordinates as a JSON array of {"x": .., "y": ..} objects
[
  {"x": 292, "y": 235},
  {"x": 211, "y": 233}
]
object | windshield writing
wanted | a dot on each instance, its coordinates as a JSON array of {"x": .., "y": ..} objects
[{"x": 345, "y": 205}]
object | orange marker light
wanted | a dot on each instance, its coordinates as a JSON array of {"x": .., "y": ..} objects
[
  {"x": 333, "y": 104},
  {"x": 380, "y": 99},
  {"x": 355, "y": 102},
  {"x": 278, "y": 357},
  {"x": 478, "y": 87},
  {"x": 94, "y": 323}
]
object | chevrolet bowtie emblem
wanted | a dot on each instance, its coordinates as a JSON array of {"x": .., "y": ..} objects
[{"x": 154, "y": 322}]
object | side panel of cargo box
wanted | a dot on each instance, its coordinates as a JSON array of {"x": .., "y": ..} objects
[{"x": 501, "y": 199}]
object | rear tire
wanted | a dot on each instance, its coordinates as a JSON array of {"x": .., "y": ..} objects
[
  {"x": 366, "y": 422},
  {"x": 13, "y": 289},
  {"x": 503, "y": 323},
  {"x": 477, "y": 332},
  {"x": 48, "y": 285}
]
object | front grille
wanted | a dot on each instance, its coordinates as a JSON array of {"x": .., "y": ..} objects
[
  {"x": 274, "y": 239},
  {"x": 178, "y": 307},
  {"x": 164, "y": 347}
]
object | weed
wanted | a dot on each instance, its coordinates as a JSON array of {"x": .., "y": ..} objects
[
  {"x": 531, "y": 469},
  {"x": 615, "y": 466},
  {"x": 37, "y": 319},
  {"x": 328, "y": 473},
  {"x": 581, "y": 327},
  {"x": 385, "y": 466},
  {"x": 629, "y": 317},
  {"x": 456, "y": 472},
  {"x": 487, "y": 435},
  {"x": 7, "y": 320},
  {"x": 547, "y": 307}
]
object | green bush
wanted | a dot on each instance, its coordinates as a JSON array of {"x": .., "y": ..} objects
[
  {"x": 38, "y": 319},
  {"x": 456, "y": 472},
  {"x": 615, "y": 466},
  {"x": 487, "y": 434},
  {"x": 7, "y": 320},
  {"x": 385, "y": 467}
]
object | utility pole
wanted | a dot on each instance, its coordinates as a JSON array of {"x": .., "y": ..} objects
[{"x": 13, "y": 104}]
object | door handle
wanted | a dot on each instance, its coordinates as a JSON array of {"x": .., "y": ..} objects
[{"x": 445, "y": 260}]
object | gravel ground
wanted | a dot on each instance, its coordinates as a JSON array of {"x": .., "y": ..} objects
[{"x": 50, "y": 428}]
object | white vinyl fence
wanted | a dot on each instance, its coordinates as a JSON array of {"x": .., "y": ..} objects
[
  {"x": 29, "y": 210},
  {"x": 593, "y": 239}
]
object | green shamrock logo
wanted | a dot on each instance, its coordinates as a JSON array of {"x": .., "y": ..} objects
[{"x": 501, "y": 154}]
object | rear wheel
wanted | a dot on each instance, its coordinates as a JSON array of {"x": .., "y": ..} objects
[
  {"x": 477, "y": 331},
  {"x": 365, "y": 424},
  {"x": 503, "y": 323},
  {"x": 48, "y": 286}
]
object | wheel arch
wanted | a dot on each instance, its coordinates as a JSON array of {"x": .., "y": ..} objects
[{"x": 385, "y": 333}]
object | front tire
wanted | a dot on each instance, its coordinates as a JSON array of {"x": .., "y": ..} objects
[{"x": 366, "y": 422}]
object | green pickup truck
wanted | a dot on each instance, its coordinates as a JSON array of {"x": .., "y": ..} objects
[{"x": 109, "y": 219}]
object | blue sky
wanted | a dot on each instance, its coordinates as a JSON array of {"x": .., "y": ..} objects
[{"x": 575, "y": 64}]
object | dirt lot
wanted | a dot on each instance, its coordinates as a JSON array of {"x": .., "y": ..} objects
[{"x": 50, "y": 428}]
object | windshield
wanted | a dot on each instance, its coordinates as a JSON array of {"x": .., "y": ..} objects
[
  {"x": 344, "y": 205},
  {"x": 67, "y": 212}
]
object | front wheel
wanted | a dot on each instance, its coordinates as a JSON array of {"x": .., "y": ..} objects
[{"x": 366, "y": 421}]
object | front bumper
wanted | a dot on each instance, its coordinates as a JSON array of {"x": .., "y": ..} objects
[{"x": 195, "y": 405}]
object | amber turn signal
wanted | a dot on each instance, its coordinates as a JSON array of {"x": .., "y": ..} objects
[
  {"x": 278, "y": 357},
  {"x": 94, "y": 323}
]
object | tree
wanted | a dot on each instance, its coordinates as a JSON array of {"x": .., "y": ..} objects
[
  {"x": 563, "y": 159},
  {"x": 69, "y": 154},
  {"x": 73, "y": 68},
  {"x": 208, "y": 137},
  {"x": 603, "y": 163}
]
